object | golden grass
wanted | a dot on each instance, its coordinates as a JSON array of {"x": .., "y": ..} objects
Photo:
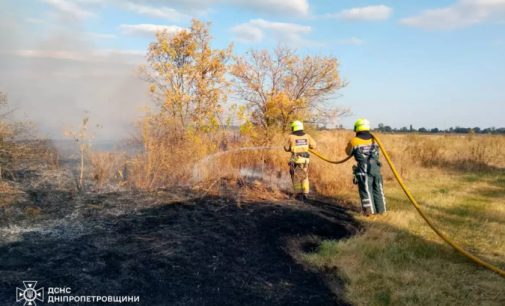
[{"x": 162, "y": 164}]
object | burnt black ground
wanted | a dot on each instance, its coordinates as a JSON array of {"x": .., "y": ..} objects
[{"x": 190, "y": 252}]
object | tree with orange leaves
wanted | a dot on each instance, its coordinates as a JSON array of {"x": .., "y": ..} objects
[
  {"x": 281, "y": 87},
  {"x": 188, "y": 79}
]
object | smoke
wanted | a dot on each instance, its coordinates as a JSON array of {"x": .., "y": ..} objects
[{"x": 53, "y": 70}]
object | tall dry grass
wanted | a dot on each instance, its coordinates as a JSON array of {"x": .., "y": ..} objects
[
  {"x": 160, "y": 163},
  {"x": 107, "y": 166},
  {"x": 163, "y": 160},
  {"x": 411, "y": 155}
]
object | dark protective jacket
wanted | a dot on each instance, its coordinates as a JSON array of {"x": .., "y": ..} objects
[
  {"x": 299, "y": 143},
  {"x": 366, "y": 152}
]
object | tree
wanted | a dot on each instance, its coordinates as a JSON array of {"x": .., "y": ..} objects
[
  {"x": 423, "y": 130},
  {"x": 461, "y": 130},
  {"x": 404, "y": 129},
  {"x": 279, "y": 87},
  {"x": 188, "y": 79},
  {"x": 381, "y": 127},
  {"x": 388, "y": 129},
  {"x": 435, "y": 130}
]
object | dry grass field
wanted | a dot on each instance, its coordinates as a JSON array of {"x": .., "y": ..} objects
[{"x": 398, "y": 260}]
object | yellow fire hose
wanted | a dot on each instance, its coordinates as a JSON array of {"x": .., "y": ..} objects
[
  {"x": 421, "y": 212},
  {"x": 336, "y": 162}
]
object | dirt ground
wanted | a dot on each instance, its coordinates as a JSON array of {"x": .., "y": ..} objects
[{"x": 171, "y": 247}]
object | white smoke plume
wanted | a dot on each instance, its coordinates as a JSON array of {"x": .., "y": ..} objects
[{"x": 52, "y": 71}]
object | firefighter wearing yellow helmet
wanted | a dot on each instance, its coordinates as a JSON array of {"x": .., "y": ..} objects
[
  {"x": 299, "y": 143},
  {"x": 368, "y": 171}
]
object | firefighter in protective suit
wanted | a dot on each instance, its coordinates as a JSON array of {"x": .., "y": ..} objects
[
  {"x": 299, "y": 143},
  {"x": 368, "y": 171}
]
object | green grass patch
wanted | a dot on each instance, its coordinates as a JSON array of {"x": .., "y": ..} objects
[{"x": 399, "y": 260}]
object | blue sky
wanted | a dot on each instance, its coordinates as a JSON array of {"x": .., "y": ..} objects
[{"x": 426, "y": 63}]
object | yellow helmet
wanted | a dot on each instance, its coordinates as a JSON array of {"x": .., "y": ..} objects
[
  {"x": 362, "y": 125},
  {"x": 296, "y": 126}
]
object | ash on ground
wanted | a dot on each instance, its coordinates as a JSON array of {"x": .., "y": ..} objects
[{"x": 173, "y": 246}]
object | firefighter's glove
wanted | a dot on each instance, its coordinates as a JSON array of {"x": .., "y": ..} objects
[{"x": 354, "y": 179}]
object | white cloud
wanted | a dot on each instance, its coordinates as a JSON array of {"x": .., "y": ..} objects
[
  {"x": 368, "y": 13},
  {"x": 161, "y": 12},
  {"x": 69, "y": 7},
  {"x": 33, "y": 20},
  {"x": 51, "y": 54},
  {"x": 127, "y": 56},
  {"x": 270, "y": 7},
  {"x": 461, "y": 14},
  {"x": 246, "y": 33},
  {"x": 146, "y": 30},
  {"x": 284, "y": 7},
  {"x": 99, "y": 36},
  {"x": 177, "y": 10},
  {"x": 140, "y": 7},
  {"x": 253, "y": 32},
  {"x": 352, "y": 41},
  {"x": 93, "y": 1},
  {"x": 499, "y": 42},
  {"x": 124, "y": 52},
  {"x": 197, "y": 7}
]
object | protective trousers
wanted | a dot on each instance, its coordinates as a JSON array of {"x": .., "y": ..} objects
[
  {"x": 371, "y": 192},
  {"x": 300, "y": 178}
]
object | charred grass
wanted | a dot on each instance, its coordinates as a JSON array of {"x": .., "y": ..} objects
[{"x": 225, "y": 243}]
